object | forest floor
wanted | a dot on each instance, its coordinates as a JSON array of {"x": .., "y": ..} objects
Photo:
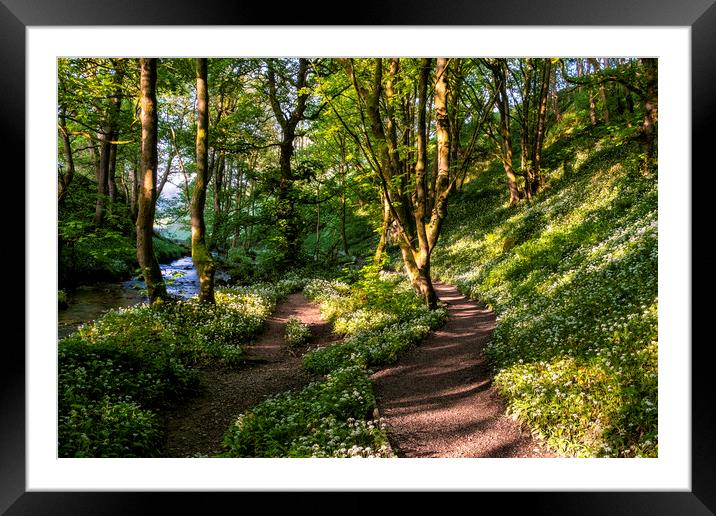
[
  {"x": 438, "y": 400},
  {"x": 197, "y": 427}
]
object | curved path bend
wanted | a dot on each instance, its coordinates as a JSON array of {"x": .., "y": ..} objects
[
  {"x": 438, "y": 400},
  {"x": 197, "y": 427}
]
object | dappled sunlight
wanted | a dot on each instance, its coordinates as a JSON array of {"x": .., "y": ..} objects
[{"x": 575, "y": 298}]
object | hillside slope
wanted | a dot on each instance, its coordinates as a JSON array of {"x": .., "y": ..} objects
[{"x": 573, "y": 280}]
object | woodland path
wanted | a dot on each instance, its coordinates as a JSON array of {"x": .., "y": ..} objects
[
  {"x": 438, "y": 400},
  {"x": 197, "y": 427}
]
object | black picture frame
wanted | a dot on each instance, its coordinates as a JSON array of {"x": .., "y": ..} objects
[{"x": 699, "y": 15}]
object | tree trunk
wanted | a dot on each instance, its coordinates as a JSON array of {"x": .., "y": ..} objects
[
  {"x": 384, "y": 229},
  {"x": 165, "y": 175},
  {"x": 602, "y": 92},
  {"x": 200, "y": 255},
  {"x": 108, "y": 134},
  {"x": 526, "y": 132},
  {"x": 102, "y": 175},
  {"x": 592, "y": 107},
  {"x": 145, "y": 219},
  {"x": 134, "y": 199},
  {"x": 239, "y": 205},
  {"x": 111, "y": 180},
  {"x": 287, "y": 222},
  {"x": 554, "y": 96},
  {"x": 651, "y": 114},
  {"x": 69, "y": 174},
  {"x": 342, "y": 169},
  {"x": 536, "y": 160},
  {"x": 317, "y": 249},
  {"x": 503, "y": 104},
  {"x": 217, "y": 234},
  {"x": 285, "y": 209}
]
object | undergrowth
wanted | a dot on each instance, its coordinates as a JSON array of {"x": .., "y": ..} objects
[
  {"x": 380, "y": 316},
  {"x": 572, "y": 277},
  {"x": 117, "y": 373}
]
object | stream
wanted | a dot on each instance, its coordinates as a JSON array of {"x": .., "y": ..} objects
[{"x": 88, "y": 302}]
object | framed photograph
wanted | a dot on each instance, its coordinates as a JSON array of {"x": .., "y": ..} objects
[{"x": 35, "y": 34}]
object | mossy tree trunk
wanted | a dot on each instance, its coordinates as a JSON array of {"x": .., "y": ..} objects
[
  {"x": 499, "y": 73},
  {"x": 148, "y": 176},
  {"x": 384, "y": 232},
  {"x": 406, "y": 195},
  {"x": 107, "y": 136},
  {"x": 287, "y": 217},
  {"x": 200, "y": 255}
]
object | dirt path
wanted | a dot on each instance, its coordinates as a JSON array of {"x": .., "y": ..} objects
[
  {"x": 197, "y": 427},
  {"x": 438, "y": 400}
]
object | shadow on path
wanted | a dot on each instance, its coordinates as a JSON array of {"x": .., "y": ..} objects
[
  {"x": 438, "y": 401},
  {"x": 197, "y": 427}
]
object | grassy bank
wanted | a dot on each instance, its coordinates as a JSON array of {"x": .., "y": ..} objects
[
  {"x": 117, "y": 374},
  {"x": 572, "y": 277}
]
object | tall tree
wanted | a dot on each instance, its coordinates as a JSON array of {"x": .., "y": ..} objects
[
  {"x": 650, "y": 97},
  {"x": 554, "y": 96},
  {"x": 535, "y": 175},
  {"x": 107, "y": 136},
  {"x": 205, "y": 266},
  {"x": 146, "y": 202},
  {"x": 69, "y": 174},
  {"x": 288, "y": 120},
  {"x": 602, "y": 92},
  {"x": 404, "y": 182},
  {"x": 499, "y": 73}
]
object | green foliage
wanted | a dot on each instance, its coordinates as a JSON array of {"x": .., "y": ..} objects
[
  {"x": 94, "y": 254},
  {"x": 379, "y": 313},
  {"x": 575, "y": 291},
  {"x": 326, "y": 419},
  {"x": 333, "y": 418},
  {"x": 62, "y": 300},
  {"x": 110, "y": 387},
  {"x": 109, "y": 429},
  {"x": 116, "y": 373},
  {"x": 167, "y": 251},
  {"x": 297, "y": 333}
]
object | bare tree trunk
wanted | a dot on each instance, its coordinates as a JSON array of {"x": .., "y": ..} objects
[
  {"x": 200, "y": 255},
  {"x": 145, "y": 219}
]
